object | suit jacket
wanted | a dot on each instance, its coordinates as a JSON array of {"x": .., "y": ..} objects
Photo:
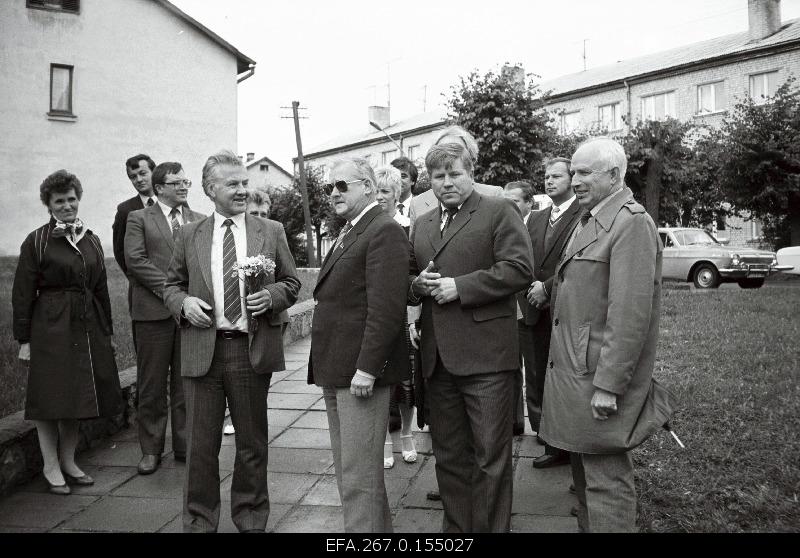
[
  {"x": 605, "y": 308},
  {"x": 427, "y": 201},
  {"x": 190, "y": 275},
  {"x": 487, "y": 250},
  {"x": 118, "y": 228},
  {"x": 546, "y": 257},
  {"x": 148, "y": 251},
  {"x": 359, "y": 320}
]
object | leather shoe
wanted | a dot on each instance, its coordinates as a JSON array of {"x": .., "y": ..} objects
[
  {"x": 149, "y": 464},
  {"x": 545, "y": 461},
  {"x": 83, "y": 480},
  {"x": 179, "y": 456},
  {"x": 433, "y": 495},
  {"x": 60, "y": 489},
  {"x": 572, "y": 489},
  {"x": 519, "y": 429}
]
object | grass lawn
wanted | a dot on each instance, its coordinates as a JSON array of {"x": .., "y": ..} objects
[{"x": 733, "y": 359}]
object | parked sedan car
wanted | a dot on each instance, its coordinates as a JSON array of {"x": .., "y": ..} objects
[
  {"x": 790, "y": 256},
  {"x": 693, "y": 255}
]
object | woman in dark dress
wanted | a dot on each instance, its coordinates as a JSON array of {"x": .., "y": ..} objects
[
  {"x": 62, "y": 320},
  {"x": 388, "y": 192}
]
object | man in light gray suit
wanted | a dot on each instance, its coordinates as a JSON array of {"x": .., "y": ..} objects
[
  {"x": 231, "y": 342},
  {"x": 149, "y": 240}
]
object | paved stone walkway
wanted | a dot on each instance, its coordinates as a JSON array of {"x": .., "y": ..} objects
[{"x": 302, "y": 482}]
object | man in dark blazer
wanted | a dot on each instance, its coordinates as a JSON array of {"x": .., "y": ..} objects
[
  {"x": 549, "y": 229},
  {"x": 140, "y": 171},
  {"x": 231, "y": 342},
  {"x": 470, "y": 257},
  {"x": 149, "y": 241},
  {"x": 358, "y": 347}
]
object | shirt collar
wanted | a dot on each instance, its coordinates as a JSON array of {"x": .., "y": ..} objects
[
  {"x": 443, "y": 209},
  {"x": 596, "y": 209},
  {"x": 238, "y": 220},
  {"x": 564, "y": 206},
  {"x": 146, "y": 198},
  {"x": 165, "y": 209},
  {"x": 363, "y": 212}
]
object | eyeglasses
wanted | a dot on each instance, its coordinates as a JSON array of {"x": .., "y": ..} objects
[
  {"x": 185, "y": 183},
  {"x": 340, "y": 185}
]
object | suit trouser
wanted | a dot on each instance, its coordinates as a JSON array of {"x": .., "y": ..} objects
[
  {"x": 526, "y": 369},
  {"x": 357, "y": 428},
  {"x": 470, "y": 421},
  {"x": 230, "y": 377},
  {"x": 606, "y": 492},
  {"x": 158, "y": 370}
]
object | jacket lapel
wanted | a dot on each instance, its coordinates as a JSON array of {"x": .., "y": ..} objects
[
  {"x": 561, "y": 227},
  {"x": 349, "y": 240},
  {"x": 202, "y": 243},
  {"x": 154, "y": 212},
  {"x": 255, "y": 236},
  {"x": 461, "y": 219},
  {"x": 537, "y": 227}
]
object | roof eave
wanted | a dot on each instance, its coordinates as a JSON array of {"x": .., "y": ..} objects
[{"x": 243, "y": 62}]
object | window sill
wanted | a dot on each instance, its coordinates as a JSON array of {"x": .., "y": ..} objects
[
  {"x": 62, "y": 117},
  {"x": 715, "y": 113}
]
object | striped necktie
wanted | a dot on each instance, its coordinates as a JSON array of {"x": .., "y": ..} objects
[
  {"x": 343, "y": 233},
  {"x": 173, "y": 221},
  {"x": 232, "y": 302},
  {"x": 451, "y": 213},
  {"x": 150, "y": 202},
  {"x": 555, "y": 214}
]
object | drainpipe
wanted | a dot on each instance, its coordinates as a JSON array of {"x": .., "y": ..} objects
[
  {"x": 248, "y": 74},
  {"x": 628, "y": 122}
]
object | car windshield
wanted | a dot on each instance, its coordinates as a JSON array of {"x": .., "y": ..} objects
[{"x": 694, "y": 237}]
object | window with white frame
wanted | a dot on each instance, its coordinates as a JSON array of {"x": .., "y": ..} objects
[
  {"x": 763, "y": 85},
  {"x": 711, "y": 97},
  {"x": 610, "y": 116},
  {"x": 61, "y": 90},
  {"x": 388, "y": 156},
  {"x": 413, "y": 152},
  {"x": 659, "y": 106},
  {"x": 570, "y": 122}
]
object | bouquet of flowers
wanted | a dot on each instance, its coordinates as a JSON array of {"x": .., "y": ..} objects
[{"x": 255, "y": 271}]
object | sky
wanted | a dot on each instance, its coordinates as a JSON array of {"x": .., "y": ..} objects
[{"x": 337, "y": 57}]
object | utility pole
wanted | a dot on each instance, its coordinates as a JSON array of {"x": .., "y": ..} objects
[
  {"x": 584, "y": 53},
  {"x": 310, "y": 254},
  {"x": 389, "y": 81}
]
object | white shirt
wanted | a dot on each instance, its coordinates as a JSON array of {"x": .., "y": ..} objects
[
  {"x": 525, "y": 219},
  {"x": 561, "y": 208},
  {"x": 363, "y": 212},
  {"x": 443, "y": 215},
  {"x": 166, "y": 210},
  {"x": 217, "y": 273},
  {"x": 145, "y": 199}
]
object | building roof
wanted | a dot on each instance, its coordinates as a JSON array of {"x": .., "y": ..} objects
[
  {"x": 266, "y": 159},
  {"x": 674, "y": 59},
  {"x": 243, "y": 63},
  {"x": 414, "y": 124}
]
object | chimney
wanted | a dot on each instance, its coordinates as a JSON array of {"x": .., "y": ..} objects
[
  {"x": 764, "y": 18},
  {"x": 514, "y": 74},
  {"x": 250, "y": 157},
  {"x": 379, "y": 116}
]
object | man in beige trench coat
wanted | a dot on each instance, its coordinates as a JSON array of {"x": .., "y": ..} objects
[{"x": 600, "y": 400}]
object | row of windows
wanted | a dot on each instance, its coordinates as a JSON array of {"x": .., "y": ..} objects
[
  {"x": 711, "y": 98},
  {"x": 386, "y": 157}
]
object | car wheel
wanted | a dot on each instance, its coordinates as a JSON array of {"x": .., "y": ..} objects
[
  {"x": 751, "y": 283},
  {"x": 706, "y": 276}
]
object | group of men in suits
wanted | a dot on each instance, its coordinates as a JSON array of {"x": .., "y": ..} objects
[{"x": 202, "y": 339}]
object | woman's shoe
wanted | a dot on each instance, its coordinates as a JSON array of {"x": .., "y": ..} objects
[
  {"x": 388, "y": 462},
  {"x": 409, "y": 456},
  {"x": 60, "y": 489},
  {"x": 83, "y": 480}
]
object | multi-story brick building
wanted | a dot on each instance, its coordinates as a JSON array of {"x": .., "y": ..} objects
[
  {"x": 85, "y": 84},
  {"x": 698, "y": 82}
]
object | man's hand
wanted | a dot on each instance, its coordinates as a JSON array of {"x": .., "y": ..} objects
[
  {"x": 193, "y": 310},
  {"x": 414, "y": 335},
  {"x": 446, "y": 290},
  {"x": 25, "y": 351},
  {"x": 604, "y": 403},
  {"x": 426, "y": 281},
  {"x": 536, "y": 295},
  {"x": 259, "y": 302},
  {"x": 361, "y": 384}
]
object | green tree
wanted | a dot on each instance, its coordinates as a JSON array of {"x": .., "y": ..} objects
[
  {"x": 760, "y": 162},
  {"x": 287, "y": 208},
  {"x": 506, "y": 114}
]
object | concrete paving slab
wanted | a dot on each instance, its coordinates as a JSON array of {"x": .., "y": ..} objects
[
  {"x": 276, "y": 513},
  {"x": 301, "y": 401},
  {"x": 128, "y": 435},
  {"x": 21, "y": 530},
  {"x": 324, "y": 493},
  {"x": 424, "y": 482},
  {"x": 318, "y": 406},
  {"x": 164, "y": 483},
  {"x": 125, "y": 515},
  {"x": 528, "y": 447},
  {"x": 227, "y": 456},
  {"x": 284, "y": 488},
  {"x": 40, "y": 511},
  {"x": 416, "y": 521},
  {"x": 312, "y": 419},
  {"x": 106, "y": 479},
  {"x": 396, "y": 489},
  {"x": 542, "y": 491},
  {"x": 403, "y": 470},
  {"x": 113, "y": 454},
  {"x": 290, "y": 386},
  {"x": 308, "y": 438},
  {"x": 295, "y": 365},
  {"x": 299, "y": 376},
  {"x": 299, "y": 460},
  {"x": 543, "y": 524},
  {"x": 283, "y": 417},
  {"x": 312, "y": 519}
]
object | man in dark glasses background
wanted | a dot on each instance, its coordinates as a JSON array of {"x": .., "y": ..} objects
[{"x": 358, "y": 344}]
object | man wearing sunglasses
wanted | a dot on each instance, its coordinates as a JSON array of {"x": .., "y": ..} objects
[
  {"x": 358, "y": 346},
  {"x": 148, "y": 244}
]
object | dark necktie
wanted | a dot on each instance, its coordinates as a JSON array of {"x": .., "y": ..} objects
[
  {"x": 343, "y": 233},
  {"x": 451, "y": 213},
  {"x": 173, "y": 220},
  {"x": 585, "y": 216},
  {"x": 400, "y": 208},
  {"x": 233, "y": 305},
  {"x": 150, "y": 202}
]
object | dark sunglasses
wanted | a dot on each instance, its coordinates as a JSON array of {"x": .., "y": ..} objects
[{"x": 340, "y": 185}]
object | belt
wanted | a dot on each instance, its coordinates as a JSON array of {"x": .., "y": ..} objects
[{"x": 230, "y": 334}]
